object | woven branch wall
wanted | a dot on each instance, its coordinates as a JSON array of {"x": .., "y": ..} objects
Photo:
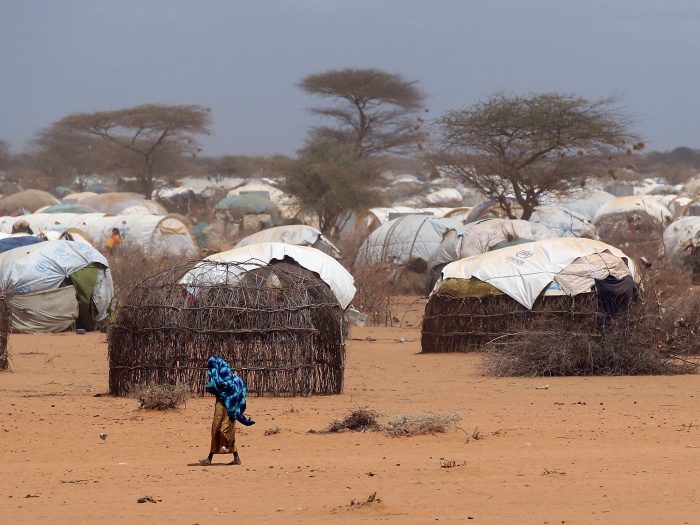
[
  {"x": 5, "y": 328},
  {"x": 465, "y": 325},
  {"x": 279, "y": 327}
]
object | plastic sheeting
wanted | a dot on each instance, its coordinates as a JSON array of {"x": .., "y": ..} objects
[
  {"x": 297, "y": 234},
  {"x": 478, "y": 237},
  {"x": 47, "y": 265},
  {"x": 680, "y": 235},
  {"x": 157, "y": 235},
  {"x": 251, "y": 257},
  {"x": 563, "y": 222},
  {"x": 631, "y": 204},
  {"x": 404, "y": 239},
  {"x": 120, "y": 204},
  {"x": 43, "y": 312},
  {"x": 525, "y": 270},
  {"x": 587, "y": 203}
]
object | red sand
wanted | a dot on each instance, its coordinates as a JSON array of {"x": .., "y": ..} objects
[{"x": 584, "y": 450}]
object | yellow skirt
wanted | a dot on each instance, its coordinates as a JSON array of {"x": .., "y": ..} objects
[{"x": 223, "y": 431}]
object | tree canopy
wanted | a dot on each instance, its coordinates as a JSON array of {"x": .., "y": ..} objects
[
  {"x": 374, "y": 111},
  {"x": 145, "y": 136},
  {"x": 529, "y": 147},
  {"x": 329, "y": 181}
]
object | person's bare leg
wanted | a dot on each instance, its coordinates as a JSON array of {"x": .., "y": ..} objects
[{"x": 236, "y": 459}]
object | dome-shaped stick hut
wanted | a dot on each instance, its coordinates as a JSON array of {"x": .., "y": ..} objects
[
  {"x": 277, "y": 321},
  {"x": 5, "y": 327},
  {"x": 576, "y": 285}
]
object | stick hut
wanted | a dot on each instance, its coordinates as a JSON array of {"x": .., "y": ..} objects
[{"x": 278, "y": 325}]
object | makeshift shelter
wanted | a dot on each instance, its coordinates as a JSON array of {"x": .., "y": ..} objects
[
  {"x": 633, "y": 214},
  {"x": 261, "y": 188},
  {"x": 53, "y": 284},
  {"x": 368, "y": 221},
  {"x": 586, "y": 203},
  {"x": 274, "y": 311},
  {"x": 577, "y": 283},
  {"x": 563, "y": 222},
  {"x": 5, "y": 328},
  {"x": 408, "y": 243},
  {"x": 67, "y": 208},
  {"x": 155, "y": 235},
  {"x": 479, "y": 237},
  {"x": 297, "y": 234},
  {"x": 26, "y": 201},
  {"x": 238, "y": 206},
  {"x": 123, "y": 204},
  {"x": 681, "y": 239}
]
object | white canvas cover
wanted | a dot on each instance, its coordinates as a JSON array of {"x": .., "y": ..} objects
[
  {"x": 524, "y": 270},
  {"x": 250, "y": 257},
  {"x": 481, "y": 236},
  {"x": 587, "y": 203},
  {"x": 157, "y": 235},
  {"x": 444, "y": 197},
  {"x": 45, "y": 265},
  {"x": 680, "y": 235},
  {"x": 563, "y": 222},
  {"x": 631, "y": 204},
  {"x": 44, "y": 312},
  {"x": 119, "y": 204},
  {"x": 404, "y": 239},
  {"x": 297, "y": 234}
]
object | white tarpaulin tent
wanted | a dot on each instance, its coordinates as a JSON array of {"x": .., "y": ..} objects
[
  {"x": 251, "y": 257},
  {"x": 479, "y": 237},
  {"x": 408, "y": 238},
  {"x": 586, "y": 203},
  {"x": 297, "y": 234},
  {"x": 46, "y": 266},
  {"x": 562, "y": 265},
  {"x": 681, "y": 234},
  {"x": 563, "y": 222},
  {"x": 632, "y": 204},
  {"x": 158, "y": 235}
]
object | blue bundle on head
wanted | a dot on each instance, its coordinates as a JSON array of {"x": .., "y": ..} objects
[{"x": 228, "y": 387}]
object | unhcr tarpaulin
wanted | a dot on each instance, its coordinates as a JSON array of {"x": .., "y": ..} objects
[
  {"x": 563, "y": 222},
  {"x": 43, "y": 312},
  {"x": 297, "y": 234},
  {"x": 251, "y": 257},
  {"x": 632, "y": 204},
  {"x": 682, "y": 234},
  {"x": 525, "y": 270}
]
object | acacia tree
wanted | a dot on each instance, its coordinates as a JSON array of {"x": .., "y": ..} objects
[
  {"x": 330, "y": 181},
  {"x": 374, "y": 111},
  {"x": 145, "y": 135},
  {"x": 531, "y": 147}
]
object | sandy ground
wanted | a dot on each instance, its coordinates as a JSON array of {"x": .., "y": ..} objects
[{"x": 583, "y": 450}]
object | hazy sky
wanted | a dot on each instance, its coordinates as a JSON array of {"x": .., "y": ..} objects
[{"x": 244, "y": 59}]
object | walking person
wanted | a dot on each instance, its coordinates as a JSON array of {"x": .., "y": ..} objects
[{"x": 230, "y": 392}]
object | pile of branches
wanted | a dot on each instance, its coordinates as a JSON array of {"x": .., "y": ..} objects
[
  {"x": 5, "y": 328},
  {"x": 160, "y": 397},
  {"x": 279, "y": 326}
]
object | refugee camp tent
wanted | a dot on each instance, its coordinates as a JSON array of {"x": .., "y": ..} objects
[
  {"x": 479, "y": 237},
  {"x": 26, "y": 201},
  {"x": 681, "y": 239},
  {"x": 238, "y": 206},
  {"x": 123, "y": 204},
  {"x": 563, "y": 222},
  {"x": 504, "y": 292},
  {"x": 633, "y": 214},
  {"x": 368, "y": 221},
  {"x": 407, "y": 243},
  {"x": 297, "y": 234},
  {"x": 17, "y": 241},
  {"x": 262, "y": 188},
  {"x": 155, "y": 235},
  {"x": 53, "y": 284},
  {"x": 586, "y": 203},
  {"x": 67, "y": 208},
  {"x": 274, "y": 311}
]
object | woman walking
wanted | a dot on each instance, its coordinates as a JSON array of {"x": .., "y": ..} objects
[{"x": 230, "y": 392}]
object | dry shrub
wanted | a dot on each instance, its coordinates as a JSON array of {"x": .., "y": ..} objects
[
  {"x": 419, "y": 424},
  {"x": 376, "y": 294},
  {"x": 644, "y": 242},
  {"x": 160, "y": 396},
  {"x": 360, "y": 420}
]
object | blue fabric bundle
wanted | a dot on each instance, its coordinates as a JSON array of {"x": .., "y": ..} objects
[{"x": 228, "y": 387}]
